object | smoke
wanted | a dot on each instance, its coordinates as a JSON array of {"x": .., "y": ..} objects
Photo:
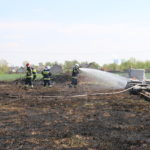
[{"x": 102, "y": 79}]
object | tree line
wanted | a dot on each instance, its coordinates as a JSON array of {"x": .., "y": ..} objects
[
  {"x": 67, "y": 65},
  {"x": 127, "y": 64}
]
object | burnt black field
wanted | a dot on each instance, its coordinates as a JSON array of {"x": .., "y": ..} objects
[{"x": 32, "y": 119}]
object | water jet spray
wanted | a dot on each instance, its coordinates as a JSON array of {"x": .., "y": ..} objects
[{"x": 103, "y": 79}]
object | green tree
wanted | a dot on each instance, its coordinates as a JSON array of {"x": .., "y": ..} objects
[
  {"x": 3, "y": 66},
  {"x": 48, "y": 64},
  {"x": 94, "y": 65},
  {"x": 131, "y": 63},
  {"x": 147, "y": 65},
  {"x": 68, "y": 65}
]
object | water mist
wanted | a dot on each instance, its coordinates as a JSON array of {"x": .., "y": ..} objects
[{"x": 103, "y": 79}]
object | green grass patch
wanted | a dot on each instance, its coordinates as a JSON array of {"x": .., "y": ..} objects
[{"x": 12, "y": 77}]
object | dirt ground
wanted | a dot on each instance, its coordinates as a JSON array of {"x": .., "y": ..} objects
[{"x": 31, "y": 119}]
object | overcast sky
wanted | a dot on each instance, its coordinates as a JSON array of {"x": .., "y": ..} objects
[{"x": 83, "y": 30}]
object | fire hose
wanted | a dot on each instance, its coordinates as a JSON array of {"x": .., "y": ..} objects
[
  {"x": 110, "y": 93},
  {"x": 146, "y": 95},
  {"x": 94, "y": 94},
  {"x": 82, "y": 95}
]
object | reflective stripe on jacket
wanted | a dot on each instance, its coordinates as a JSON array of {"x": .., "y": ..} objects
[
  {"x": 75, "y": 72},
  {"x": 46, "y": 74},
  {"x": 29, "y": 73},
  {"x": 34, "y": 71}
]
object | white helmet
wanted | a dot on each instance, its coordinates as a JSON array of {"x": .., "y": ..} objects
[
  {"x": 48, "y": 67},
  {"x": 77, "y": 65}
]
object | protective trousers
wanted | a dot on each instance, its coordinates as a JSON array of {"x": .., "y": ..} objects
[
  {"x": 74, "y": 81},
  {"x": 46, "y": 82},
  {"x": 28, "y": 81}
]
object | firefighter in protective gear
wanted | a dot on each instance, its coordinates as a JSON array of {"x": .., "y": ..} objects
[
  {"x": 30, "y": 75},
  {"x": 47, "y": 76},
  {"x": 75, "y": 73},
  {"x": 34, "y": 73}
]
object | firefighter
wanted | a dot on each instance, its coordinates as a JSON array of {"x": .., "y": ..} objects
[
  {"x": 30, "y": 75},
  {"x": 47, "y": 76},
  {"x": 34, "y": 73},
  {"x": 75, "y": 72}
]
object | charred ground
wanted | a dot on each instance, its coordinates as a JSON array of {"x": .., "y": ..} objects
[{"x": 30, "y": 119}]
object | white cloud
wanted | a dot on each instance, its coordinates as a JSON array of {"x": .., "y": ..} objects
[
  {"x": 13, "y": 36},
  {"x": 10, "y": 46},
  {"x": 97, "y": 42},
  {"x": 92, "y": 28},
  {"x": 26, "y": 26}
]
